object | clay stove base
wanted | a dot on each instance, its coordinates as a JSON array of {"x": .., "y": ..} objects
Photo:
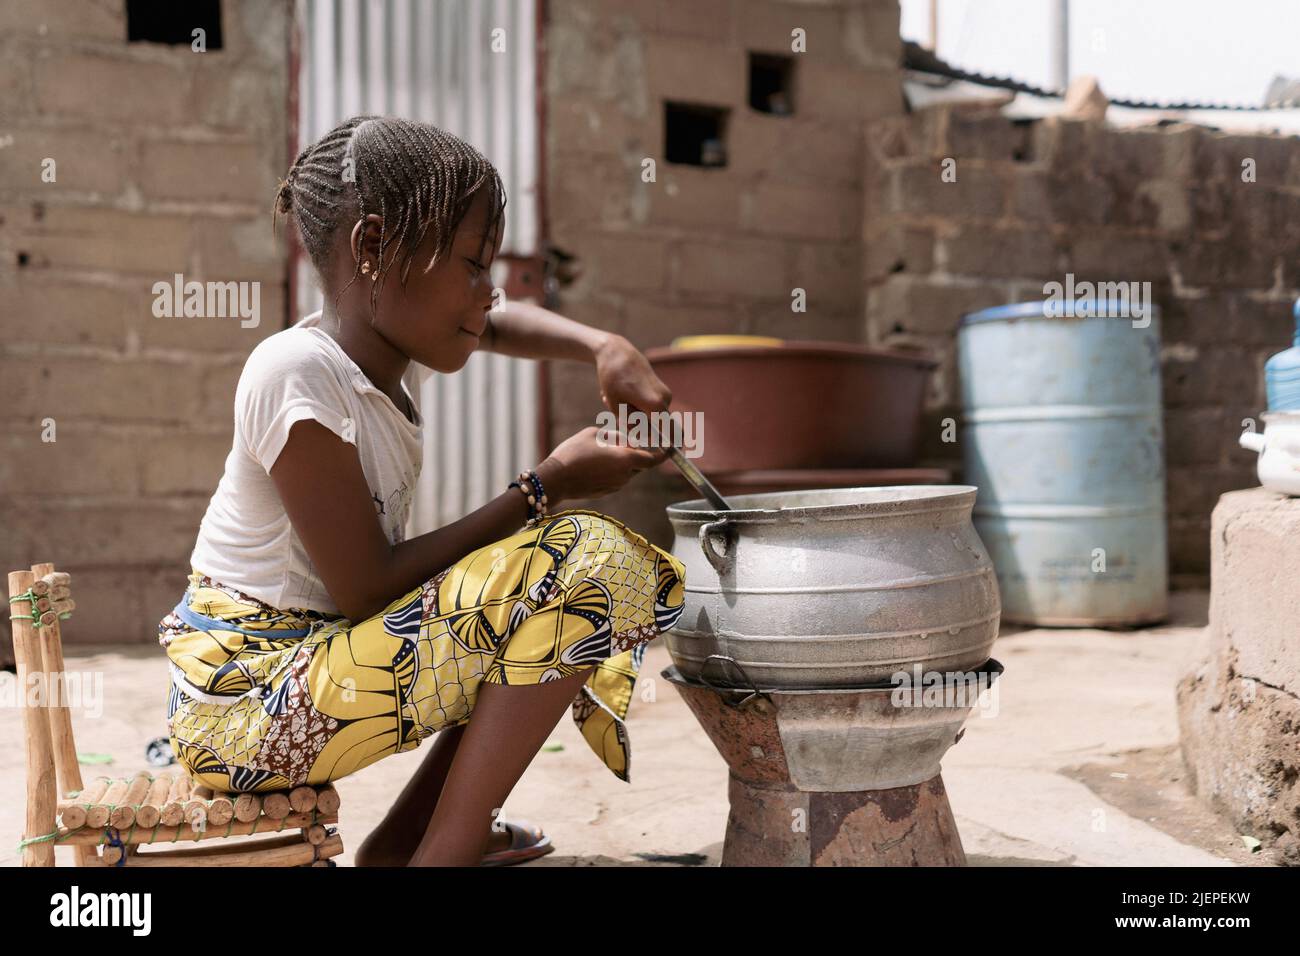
[
  {"x": 906, "y": 826},
  {"x": 823, "y": 777}
]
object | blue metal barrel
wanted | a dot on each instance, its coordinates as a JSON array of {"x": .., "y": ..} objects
[{"x": 1062, "y": 434}]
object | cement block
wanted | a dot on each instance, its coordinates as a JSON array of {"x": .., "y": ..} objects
[
  {"x": 84, "y": 162},
  {"x": 698, "y": 198},
  {"x": 1214, "y": 373},
  {"x": 154, "y": 534},
  {"x": 104, "y": 239},
  {"x": 829, "y": 272},
  {"x": 620, "y": 261},
  {"x": 1189, "y": 550},
  {"x": 110, "y": 90},
  {"x": 767, "y": 26},
  {"x": 241, "y": 249},
  {"x": 58, "y": 21},
  {"x": 653, "y": 323},
  {"x": 62, "y": 312},
  {"x": 1031, "y": 196},
  {"x": 699, "y": 19},
  {"x": 589, "y": 190},
  {"x": 696, "y": 71},
  {"x": 926, "y": 304},
  {"x": 67, "y": 387},
  {"x": 29, "y": 465},
  {"x": 1119, "y": 258},
  {"x": 1229, "y": 263},
  {"x": 581, "y": 124},
  {"x": 847, "y": 93},
  {"x": 890, "y": 249},
  {"x": 794, "y": 151},
  {"x": 1241, "y": 745},
  {"x": 197, "y": 472},
  {"x": 1255, "y": 550},
  {"x": 1239, "y": 707},
  {"x": 919, "y": 189},
  {"x": 871, "y": 35},
  {"x": 219, "y": 171},
  {"x": 740, "y": 268},
  {"x": 209, "y": 335},
  {"x": 1194, "y": 488},
  {"x": 1008, "y": 253},
  {"x": 777, "y": 209},
  {"x": 820, "y": 323},
  {"x": 1190, "y": 436}
]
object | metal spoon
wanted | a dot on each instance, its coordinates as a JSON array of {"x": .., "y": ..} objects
[{"x": 696, "y": 478}]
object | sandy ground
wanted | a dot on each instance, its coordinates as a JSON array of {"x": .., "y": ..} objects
[{"x": 1078, "y": 767}]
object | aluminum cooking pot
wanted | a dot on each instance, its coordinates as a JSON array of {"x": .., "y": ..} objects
[{"x": 840, "y": 587}]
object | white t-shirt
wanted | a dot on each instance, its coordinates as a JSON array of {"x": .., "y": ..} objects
[{"x": 245, "y": 539}]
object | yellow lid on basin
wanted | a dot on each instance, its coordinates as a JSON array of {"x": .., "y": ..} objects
[{"x": 722, "y": 341}]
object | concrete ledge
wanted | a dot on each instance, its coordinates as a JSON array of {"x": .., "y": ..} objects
[
  {"x": 1239, "y": 708},
  {"x": 1255, "y": 585}
]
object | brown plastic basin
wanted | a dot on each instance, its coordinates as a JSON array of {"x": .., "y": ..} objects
[{"x": 799, "y": 405}]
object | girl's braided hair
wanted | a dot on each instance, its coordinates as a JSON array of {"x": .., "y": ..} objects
[{"x": 413, "y": 175}]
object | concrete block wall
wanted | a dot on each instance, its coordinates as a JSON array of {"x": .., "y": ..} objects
[
  {"x": 1034, "y": 200},
  {"x": 707, "y": 250},
  {"x": 1239, "y": 703},
  {"x": 166, "y": 161}
]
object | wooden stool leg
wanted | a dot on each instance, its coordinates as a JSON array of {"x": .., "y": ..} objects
[
  {"x": 42, "y": 793},
  {"x": 65, "y": 747}
]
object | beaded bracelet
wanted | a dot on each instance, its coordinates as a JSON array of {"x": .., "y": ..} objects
[{"x": 530, "y": 483}]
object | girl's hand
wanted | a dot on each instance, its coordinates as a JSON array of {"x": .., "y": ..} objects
[
  {"x": 626, "y": 378},
  {"x": 593, "y": 463}
]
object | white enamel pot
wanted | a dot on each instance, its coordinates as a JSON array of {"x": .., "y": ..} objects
[{"x": 1279, "y": 451}]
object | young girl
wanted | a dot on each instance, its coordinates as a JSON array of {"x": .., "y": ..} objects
[{"x": 312, "y": 639}]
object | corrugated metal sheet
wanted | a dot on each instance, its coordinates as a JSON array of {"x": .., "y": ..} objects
[{"x": 433, "y": 62}]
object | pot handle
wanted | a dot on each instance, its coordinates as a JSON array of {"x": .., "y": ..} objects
[
  {"x": 756, "y": 699},
  {"x": 721, "y": 560},
  {"x": 1252, "y": 440}
]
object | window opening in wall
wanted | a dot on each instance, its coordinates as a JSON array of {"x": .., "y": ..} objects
[
  {"x": 771, "y": 83},
  {"x": 174, "y": 22},
  {"x": 695, "y": 135}
]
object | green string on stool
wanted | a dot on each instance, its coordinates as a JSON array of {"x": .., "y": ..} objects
[
  {"x": 30, "y": 597},
  {"x": 22, "y": 844}
]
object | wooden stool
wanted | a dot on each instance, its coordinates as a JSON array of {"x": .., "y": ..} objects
[{"x": 108, "y": 821}]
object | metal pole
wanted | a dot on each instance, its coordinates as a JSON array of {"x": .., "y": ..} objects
[
  {"x": 934, "y": 27},
  {"x": 1058, "y": 33}
]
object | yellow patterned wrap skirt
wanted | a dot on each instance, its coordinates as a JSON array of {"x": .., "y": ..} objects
[{"x": 263, "y": 698}]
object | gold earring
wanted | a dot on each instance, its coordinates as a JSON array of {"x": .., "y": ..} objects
[{"x": 365, "y": 267}]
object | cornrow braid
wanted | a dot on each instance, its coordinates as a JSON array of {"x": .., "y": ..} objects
[{"x": 414, "y": 176}]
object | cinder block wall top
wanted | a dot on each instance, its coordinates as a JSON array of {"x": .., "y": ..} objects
[
  {"x": 123, "y": 164},
  {"x": 1034, "y": 200},
  {"x": 708, "y": 248}
]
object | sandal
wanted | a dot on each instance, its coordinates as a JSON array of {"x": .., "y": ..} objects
[{"x": 527, "y": 842}]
